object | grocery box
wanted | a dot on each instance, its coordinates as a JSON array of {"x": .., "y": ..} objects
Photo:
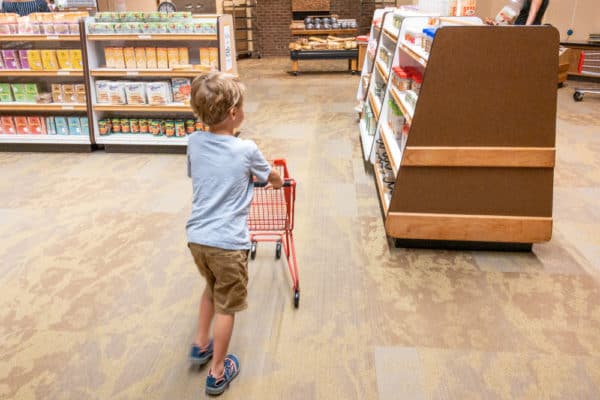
[
  {"x": 129, "y": 55},
  {"x": 140, "y": 58},
  {"x": 21, "y": 125},
  {"x": 5, "y": 93},
  {"x": 151, "y": 58},
  {"x": 62, "y": 128},
  {"x": 11, "y": 59},
  {"x": 74, "y": 125},
  {"x": 36, "y": 126},
  {"x": 69, "y": 93},
  {"x": 64, "y": 59},
  {"x": 182, "y": 88},
  {"x": 23, "y": 59},
  {"x": 57, "y": 93},
  {"x": 173, "y": 56},
  {"x": 85, "y": 127},
  {"x": 34, "y": 58},
  {"x": 49, "y": 60},
  {"x": 102, "y": 92},
  {"x": 162, "y": 59},
  {"x": 24, "y": 92},
  {"x": 158, "y": 93},
  {"x": 76, "y": 59},
  {"x": 184, "y": 56},
  {"x": 135, "y": 92},
  {"x": 116, "y": 91},
  {"x": 7, "y": 126},
  {"x": 50, "y": 127},
  {"x": 214, "y": 57},
  {"x": 204, "y": 56}
]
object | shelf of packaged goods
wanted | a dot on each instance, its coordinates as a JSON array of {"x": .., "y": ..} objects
[
  {"x": 381, "y": 189},
  {"x": 105, "y": 72},
  {"x": 366, "y": 139},
  {"x": 181, "y": 108},
  {"x": 41, "y": 107},
  {"x": 309, "y": 32},
  {"x": 417, "y": 53},
  {"x": 39, "y": 38},
  {"x": 45, "y": 139},
  {"x": 142, "y": 139},
  {"x": 391, "y": 34},
  {"x": 400, "y": 99},
  {"x": 153, "y": 36},
  {"x": 375, "y": 105},
  {"x": 391, "y": 147},
  {"x": 382, "y": 70},
  {"x": 17, "y": 72}
]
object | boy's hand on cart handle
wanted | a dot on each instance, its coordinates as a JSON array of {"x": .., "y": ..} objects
[{"x": 275, "y": 180}]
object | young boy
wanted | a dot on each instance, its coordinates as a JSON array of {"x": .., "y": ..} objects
[{"x": 222, "y": 168}]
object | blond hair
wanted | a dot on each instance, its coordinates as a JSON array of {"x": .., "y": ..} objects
[{"x": 214, "y": 95}]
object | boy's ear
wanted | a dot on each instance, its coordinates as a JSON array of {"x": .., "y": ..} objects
[{"x": 233, "y": 112}]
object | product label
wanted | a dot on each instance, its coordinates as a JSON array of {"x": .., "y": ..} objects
[{"x": 227, "y": 45}]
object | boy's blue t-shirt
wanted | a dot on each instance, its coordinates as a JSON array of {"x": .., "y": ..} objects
[{"x": 221, "y": 168}]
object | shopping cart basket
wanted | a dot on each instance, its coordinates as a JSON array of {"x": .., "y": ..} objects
[
  {"x": 271, "y": 219},
  {"x": 589, "y": 65}
]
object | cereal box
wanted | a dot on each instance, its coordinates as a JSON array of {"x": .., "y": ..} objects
[
  {"x": 80, "y": 94},
  {"x": 102, "y": 92},
  {"x": 49, "y": 60},
  {"x": 25, "y": 92},
  {"x": 5, "y": 93},
  {"x": 34, "y": 58},
  {"x": 64, "y": 59},
  {"x": 214, "y": 57},
  {"x": 85, "y": 127},
  {"x": 23, "y": 59},
  {"x": 62, "y": 128},
  {"x": 57, "y": 93},
  {"x": 69, "y": 93},
  {"x": 50, "y": 127},
  {"x": 204, "y": 56},
  {"x": 182, "y": 88},
  {"x": 114, "y": 57},
  {"x": 184, "y": 55},
  {"x": 11, "y": 59},
  {"x": 129, "y": 54},
  {"x": 140, "y": 58},
  {"x": 158, "y": 93},
  {"x": 36, "y": 126},
  {"x": 135, "y": 92},
  {"x": 162, "y": 60},
  {"x": 151, "y": 58},
  {"x": 74, "y": 125},
  {"x": 21, "y": 125},
  {"x": 76, "y": 59},
  {"x": 173, "y": 56},
  {"x": 116, "y": 92},
  {"x": 7, "y": 126}
]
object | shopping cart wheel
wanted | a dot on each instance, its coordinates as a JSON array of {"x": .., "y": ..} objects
[
  {"x": 577, "y": 96},
  {"x": 296, "y": 298},
  {"x": 253, "y": 251},
  {"x": 278, "y": 250}
]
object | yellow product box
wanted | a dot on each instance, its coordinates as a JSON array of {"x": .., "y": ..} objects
[
  {"x": 184, "y": 55},
  {"x": 69, "y": 93},
  {"x": 119, "y": 57},
  {"x": 151, "y": 58},
  {"x": 204, "y": 56},
  {"x": 64, "y": 59},
  {"x": 129, "y": 54},
  {"x": 57, "y": 93},
  {"x": 109, "y": 57},
  {"x": 214, "y": 57},
  {"x": 173, "y": 56},
  {"x": 162, "y": 59},
  {"x": 140, "y": 58},
  {"x": 49, "y": 61},
  {"x": 76, "y": 59},
  {"x": 35, "y": 60}
]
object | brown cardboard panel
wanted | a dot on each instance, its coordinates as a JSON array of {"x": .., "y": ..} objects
[
  {"x": 474, "y": 191},
  {"x": 489, "y": 86}
]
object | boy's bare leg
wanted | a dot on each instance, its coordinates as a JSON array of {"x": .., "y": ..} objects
[
  {"x": 222, "y": 334},
  {"x": 205, "y": 317}
]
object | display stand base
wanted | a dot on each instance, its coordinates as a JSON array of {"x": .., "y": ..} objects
[
  {"x": 46, "y": 148},
  {"x": 462, "y": 245},
  {"x": 145, "y": 149}
]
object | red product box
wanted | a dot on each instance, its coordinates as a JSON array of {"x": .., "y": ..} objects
[
  {"x": 36, "y": 126},
  {"x": 7, "y": 126},
  {"x": 21, "y": 125}
]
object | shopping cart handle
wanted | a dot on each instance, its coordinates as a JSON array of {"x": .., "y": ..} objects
[{"x": 286, "y": 183}]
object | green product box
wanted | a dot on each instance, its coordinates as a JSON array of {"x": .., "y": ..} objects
[
  {"x": 5, "y": 93},
  {"x": 25, "y": 92},
  {"x": 61, "y": 126}
]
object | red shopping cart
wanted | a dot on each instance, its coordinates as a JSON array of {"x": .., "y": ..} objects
[
  {"x": 589, "y": 65},
  {"x": 271, "y": 219}
]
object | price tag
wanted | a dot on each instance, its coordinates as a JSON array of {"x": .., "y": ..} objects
[
  {"x": 52, "y": 37},
  {"x": 63, "y": 73},
  {"x": 133, "y": 73},
  {"x": 145, "y": 37},
  {"x": 68, "y": 107}
]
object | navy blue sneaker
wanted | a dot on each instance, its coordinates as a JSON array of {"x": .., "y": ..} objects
[
  {"x": 199, "y": 356},
  {"x": 216, "y": 386}
]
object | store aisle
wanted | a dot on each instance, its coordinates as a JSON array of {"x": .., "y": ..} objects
[{"x": 98, "y": 293}]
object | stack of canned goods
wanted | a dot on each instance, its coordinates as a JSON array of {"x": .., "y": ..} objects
[{"x": 156, "y": 127}]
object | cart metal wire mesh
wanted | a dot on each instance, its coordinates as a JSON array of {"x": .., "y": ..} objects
[{"x": 589, "y": 65}]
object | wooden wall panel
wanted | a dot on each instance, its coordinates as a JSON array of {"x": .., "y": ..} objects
[{"x": 310, "y": 5}]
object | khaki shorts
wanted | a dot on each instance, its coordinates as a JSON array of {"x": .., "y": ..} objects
[{"x": 226, "y": 273}]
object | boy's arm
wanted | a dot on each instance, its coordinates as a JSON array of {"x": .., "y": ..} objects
[
  {"x": 262, "y": 170},
  {"x": 275, "y": 179}
]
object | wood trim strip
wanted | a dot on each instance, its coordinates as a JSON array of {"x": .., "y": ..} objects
[
  {"x": 521, "y": 157},
  {"x": 480, "y": 228}
]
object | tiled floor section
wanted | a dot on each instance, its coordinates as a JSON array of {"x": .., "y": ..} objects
[{"x": 98, "y": 293}]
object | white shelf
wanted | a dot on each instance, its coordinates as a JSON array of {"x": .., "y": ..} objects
[
  {"x": 400, "y": 99},
  {"x": 39, "y": 38},
  {"x": 375, "y": 105},
  {"x": 391, "y": 147},
  {"x": 153, "y": 36},
  {"x": 366, "y": 139},
  {"x": 417, "y": 53},
  {"x": 173, "y": 107},
  {"x": 382, "y": 70},
  {"x": 109, "y": 72},
  {"x": 46, "y": 139},
  {"x": 391, "y": 33},
  {"x": 142, "y": 139},
  {"x": 42, "y": 107},
  {"x": 32, "y": 73}
]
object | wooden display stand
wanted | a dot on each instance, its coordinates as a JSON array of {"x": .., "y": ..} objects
[{"x": 479, "y": 161}]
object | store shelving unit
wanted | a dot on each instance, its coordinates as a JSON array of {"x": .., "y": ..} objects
[
  {"x": 223, "y": 40},
  {"x": 476, "y": 169},
  {"x": 35, "y": 142},
  {"x": 245, "y": 22}
]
